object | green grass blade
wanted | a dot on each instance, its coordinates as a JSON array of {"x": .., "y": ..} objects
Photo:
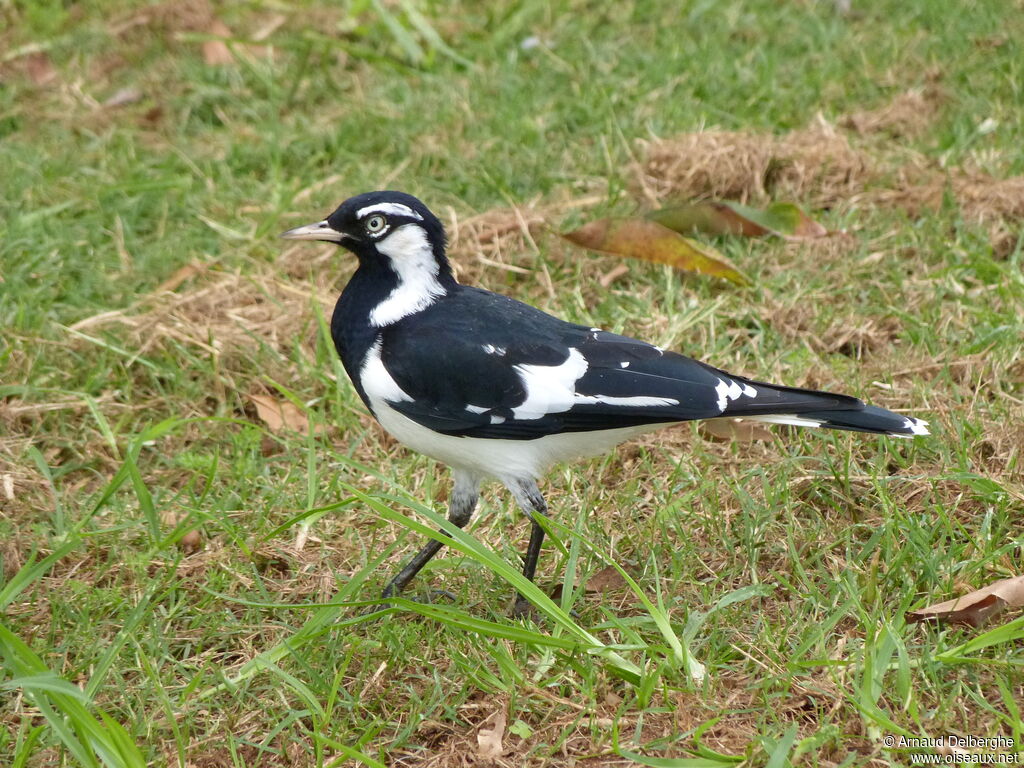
[
  {"x": 62, "y": 705},
  {"x": 1012, "y": 632},
  {"x": 138, "y": 614},
  {"x": 675, "y": 762},
  {"x": 300, "y": 517},
  {"x": 680, "y": 652},
  {"x": 405, "y": 40},
  {"x": 32, "y": 571},
  {"x": 26, "y": 745},
  {"x": 48, "y": 682},
  {"x": 427, "y": 31},
  {"x": 44, "y": 469},
  {"x": 459, "y": 540},
  {"x": 348, "y": 753},
  {"x": 779, "y": 756},
  {"x": 144, "y": 497}
]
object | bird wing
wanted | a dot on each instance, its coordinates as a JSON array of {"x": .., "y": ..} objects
[{"x": 491, "y": 367}]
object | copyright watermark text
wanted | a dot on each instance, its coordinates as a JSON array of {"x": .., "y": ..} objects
[{"x": 956, "y": 750}]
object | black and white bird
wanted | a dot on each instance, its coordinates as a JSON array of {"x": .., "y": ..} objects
[{"x": 498, "y": 389}]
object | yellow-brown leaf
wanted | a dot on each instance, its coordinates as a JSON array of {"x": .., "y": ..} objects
[
  {"x": 649, "y": 240},
  {"x": 708, "y": 216},
  {"x": 713, "y": 217}
]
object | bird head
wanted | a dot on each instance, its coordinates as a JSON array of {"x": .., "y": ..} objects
[{"x": 382, "y": 228}]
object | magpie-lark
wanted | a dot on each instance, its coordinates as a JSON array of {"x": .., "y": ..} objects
[{"x": 498, "y": 389}]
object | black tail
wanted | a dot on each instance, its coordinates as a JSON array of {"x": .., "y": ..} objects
[{"x": 854, "y": 416}]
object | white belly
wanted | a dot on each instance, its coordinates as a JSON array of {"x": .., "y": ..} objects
[{"x": 502, "y": 459}]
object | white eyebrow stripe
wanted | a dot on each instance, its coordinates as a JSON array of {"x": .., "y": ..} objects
[{"x": 396, "y": 208}]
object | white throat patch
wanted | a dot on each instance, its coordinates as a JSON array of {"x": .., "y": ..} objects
[{"x": 418, "y": 287}]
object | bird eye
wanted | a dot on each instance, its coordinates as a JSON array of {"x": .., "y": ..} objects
[{"x": 376, "y": 224}]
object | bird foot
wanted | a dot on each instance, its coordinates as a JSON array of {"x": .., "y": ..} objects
[
  {"x": 523, "y": 609},
  {"x": 435, "y": 593}
]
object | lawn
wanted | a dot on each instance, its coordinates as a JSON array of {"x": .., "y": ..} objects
[{"x": 184, "y": 579}]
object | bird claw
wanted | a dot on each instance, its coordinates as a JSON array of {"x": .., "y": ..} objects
[
  {"x": 523, "y": 609},
  {"x": 434, "y": 593}
]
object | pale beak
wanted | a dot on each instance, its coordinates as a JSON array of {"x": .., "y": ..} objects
[{"x": 321, "y": 230}]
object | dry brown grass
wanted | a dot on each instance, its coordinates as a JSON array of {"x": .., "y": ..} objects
[
  {"x": 816, "y": 165},
  {"x": 226, "y": 315},
  {"x": 853, "y": 335},
  {"x": 996, "y": 204},
  {"x": 820, "y": 167},
  {"x": 500, "y": 234},
  {"x": 907, "y": 115},
  {"x": 583, "y": 734}
]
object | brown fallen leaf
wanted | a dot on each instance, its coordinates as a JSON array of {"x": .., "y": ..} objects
[
  {"x": 649, "y": 240},
  {"x": 216, "y": 52},
  {"x": 40, "y": 69},
  {"x": 740, "y": 430},
  {"x": 180, "y": 276},
  {"x": 605, "y": 580},
  {"x": 488, "y": 740},
  {"x": 279, "y": 415},
  {"x": 192, "y": 541},
  {"x": 713, "y": 217},
  {"x": 974, "y": 608}
]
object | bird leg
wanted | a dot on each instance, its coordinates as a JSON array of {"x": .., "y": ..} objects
[
  {"x": 530, "y": 501},
  {"x": 460, "y": 510}
]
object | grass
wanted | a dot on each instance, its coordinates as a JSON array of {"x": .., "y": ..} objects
[{"x": 784, "y": 568}]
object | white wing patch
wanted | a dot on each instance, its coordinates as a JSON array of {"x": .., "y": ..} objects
[
  {"x": 412, "y": 258},
  {"x": 552, "y": 389},
  {"x": 730, "y": 390},
  {"x": 916, "y": 426},
  {"x": 377, "y": 382}
]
